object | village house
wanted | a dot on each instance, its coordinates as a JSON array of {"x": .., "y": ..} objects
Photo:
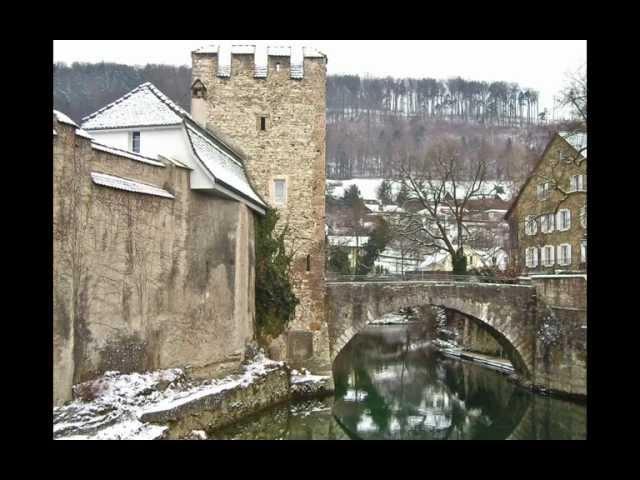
[
  {"x": 153, "y": 243},
  {"x": 548, "y": 218}
]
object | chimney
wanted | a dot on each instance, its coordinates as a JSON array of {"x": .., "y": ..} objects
[{"x": 199, "y": 102}]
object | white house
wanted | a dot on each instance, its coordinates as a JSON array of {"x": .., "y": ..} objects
[{"x": 147, "y": 122}]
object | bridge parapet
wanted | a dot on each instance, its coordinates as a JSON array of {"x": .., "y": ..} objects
[{"x": 423, "y": 277}]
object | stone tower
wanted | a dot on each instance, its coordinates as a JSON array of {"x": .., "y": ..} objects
[{"x": 272, "y": 107}]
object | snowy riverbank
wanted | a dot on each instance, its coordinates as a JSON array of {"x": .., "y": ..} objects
[{"x": 139, "y": 406}]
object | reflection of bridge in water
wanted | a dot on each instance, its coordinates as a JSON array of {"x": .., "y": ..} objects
[{"x": 421, "y": 395}]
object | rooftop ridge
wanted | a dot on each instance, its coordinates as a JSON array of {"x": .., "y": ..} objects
[{"x": 143, "y": 86}]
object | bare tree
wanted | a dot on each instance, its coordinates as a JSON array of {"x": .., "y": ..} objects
[
  {"x": 573, "y": 97},
  {"x": 443, "y": 186}
]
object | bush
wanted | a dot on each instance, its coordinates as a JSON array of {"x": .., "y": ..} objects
[{"x": 275, "y": 300}]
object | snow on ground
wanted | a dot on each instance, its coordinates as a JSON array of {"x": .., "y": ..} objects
[
  {"x": 369, "y": 187},
  {"x": 304, "y": 376},
  {"x": 389, "y": 319},
  {"x": 114, "y": 403}
]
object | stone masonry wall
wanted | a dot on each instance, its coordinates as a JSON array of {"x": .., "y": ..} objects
[
  {"x": 144, "y": 282},
  {"x": 561, "y": 350},
  {"x": 292, "y": 147}
]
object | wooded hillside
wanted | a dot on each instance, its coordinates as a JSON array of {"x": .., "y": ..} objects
[{"x": 373, "y": 124}]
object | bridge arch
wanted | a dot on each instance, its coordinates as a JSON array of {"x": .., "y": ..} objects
[{"x": 507, "y": 310}]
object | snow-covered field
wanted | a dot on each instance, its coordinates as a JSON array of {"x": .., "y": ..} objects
[
  {"x": 114, "y": 403},
  {"x": 369, "y": 187}
]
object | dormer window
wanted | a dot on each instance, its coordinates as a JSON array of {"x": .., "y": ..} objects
[{"x": 135, "y": 142}]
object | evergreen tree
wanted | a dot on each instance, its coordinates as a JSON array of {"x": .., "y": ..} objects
[{"x": 385, "y": 195}]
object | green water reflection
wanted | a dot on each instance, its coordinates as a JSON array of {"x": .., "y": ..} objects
[{"x": 392, "y": 384}]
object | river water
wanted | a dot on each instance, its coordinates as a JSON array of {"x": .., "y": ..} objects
[{"x": 391, "y": 383}]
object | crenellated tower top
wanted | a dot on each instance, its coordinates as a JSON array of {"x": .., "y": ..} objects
[{"x": 295, "y": 56}]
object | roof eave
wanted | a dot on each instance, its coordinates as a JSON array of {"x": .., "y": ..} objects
[
  {"x": 218, "y": 184},
  {"x": 127, "y": 127}
]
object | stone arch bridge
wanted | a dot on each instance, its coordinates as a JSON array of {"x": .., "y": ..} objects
[{"x": 534, "y": 339}]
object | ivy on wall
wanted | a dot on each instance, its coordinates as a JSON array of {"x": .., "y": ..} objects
[{"x": 275, "y": 300}]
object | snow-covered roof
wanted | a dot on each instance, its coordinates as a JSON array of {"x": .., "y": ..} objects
[
  {"x": 220, "y": 164},
  {"x": 126, "y": 154},
  {"x": 347, "y": 241},
  {"x": 143, "y": 106},
  {"x": 129, "y": 185},
  {"x": 577, "y": 140},
  {"x": 61, "y": 117}
]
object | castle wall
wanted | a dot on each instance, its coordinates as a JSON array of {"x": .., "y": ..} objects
[
  {"x": 292, "y": 147},
  {"x": 144, "y": 282}
]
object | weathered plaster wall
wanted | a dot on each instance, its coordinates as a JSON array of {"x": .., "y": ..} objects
[
  {"x": 292, "y": 148},
  {"x": 144, "y": 282}
]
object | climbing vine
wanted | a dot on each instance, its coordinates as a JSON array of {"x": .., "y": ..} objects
[{"x": 275, "y": 300}]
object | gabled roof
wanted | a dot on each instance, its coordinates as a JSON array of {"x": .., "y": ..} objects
[
  {"x": 220, "y": 164},
  {"x": 148, "y": 106},
  {"x": 141, "y": 107},
  {"x": 577, "y": 139}
]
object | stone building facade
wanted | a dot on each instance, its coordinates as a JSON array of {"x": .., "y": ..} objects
[
  {"x": 148, "y": 272},
  {"x": 275, "y": 111},
  {"x": 548, "y": 218}
]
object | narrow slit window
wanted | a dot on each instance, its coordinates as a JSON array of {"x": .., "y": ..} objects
[
  {"x": 135, "y": 142},
  {"x": 263, "y": 123},
  {"x": 308, "y": 263}
]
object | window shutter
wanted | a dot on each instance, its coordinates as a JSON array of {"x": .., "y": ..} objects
[
  {"x": 535, "y": 256},
  {"x": 568, "y": 254},
  {"x": 552, "y": 222},
  {"x": 551, "y": 252},
  {"x": 584, "y": 182},
  {"x": 559, "y": 254},
  {"x": 559, "y": 219},
  {"x": 567, "y": 225}
]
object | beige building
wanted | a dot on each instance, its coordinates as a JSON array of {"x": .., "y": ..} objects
[
  {"x": 272, "y": 103},
  {"x": 548, "y": 218},
  {"x": 153, "y": 255}
]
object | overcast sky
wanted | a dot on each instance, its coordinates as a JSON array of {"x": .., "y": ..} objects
[{"x": 539, "y": 64}]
